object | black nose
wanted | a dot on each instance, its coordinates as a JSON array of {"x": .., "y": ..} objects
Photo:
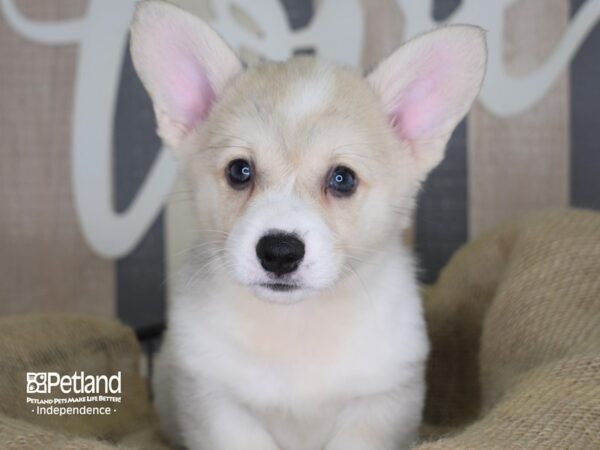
[{"x": 280, "y": 253}]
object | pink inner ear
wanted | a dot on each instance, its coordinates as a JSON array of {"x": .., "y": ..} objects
[
  {"x": 423, "y": 107},
  {"x": 414, "y": 112},
  {"x": 183, "y": 64},
  {"x": 189, "y": 94}
]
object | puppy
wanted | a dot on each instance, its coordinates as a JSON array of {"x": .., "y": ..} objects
[{"x": 297, "y": 323}]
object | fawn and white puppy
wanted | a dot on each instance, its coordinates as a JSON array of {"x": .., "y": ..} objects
[{"x": 297, "y": 323}]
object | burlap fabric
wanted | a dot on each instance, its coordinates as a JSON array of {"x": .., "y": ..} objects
[
  {"x": 68, "y": 344},
  {"x": 515, "y": 364},
  {"x": 515, "y": 327}
]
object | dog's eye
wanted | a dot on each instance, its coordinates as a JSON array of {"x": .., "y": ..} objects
[
  {"x": 342, "y": 181},
  {"x": 239, "y": 173}
]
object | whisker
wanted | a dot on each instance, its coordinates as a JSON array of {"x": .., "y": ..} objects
[
  {"x": 204, "y": 245},
  {"x": 211, "y": 230},
  {"x": 354, "y": 247},
  {"x": 364, "y": 286},
  {"x": 211, "y": 260}
]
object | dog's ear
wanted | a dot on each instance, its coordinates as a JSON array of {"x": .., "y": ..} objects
[
  {"x": 183, "y": 64},
  {"x": 428, "y": 85}
]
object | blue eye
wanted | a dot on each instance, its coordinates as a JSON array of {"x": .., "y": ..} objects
[
  {"x": 239, "y": 173},
  {"x": 342, "y": 181}
]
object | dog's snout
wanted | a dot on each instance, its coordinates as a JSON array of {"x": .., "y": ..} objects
[{"x": 280, "y": 253}]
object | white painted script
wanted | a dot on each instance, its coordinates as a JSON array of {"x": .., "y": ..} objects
[{"x": 337, "y": 34}]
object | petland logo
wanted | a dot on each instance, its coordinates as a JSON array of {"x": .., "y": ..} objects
[
  {"x": 78, "y": 383},
  {"x": 77, "y": 388}
]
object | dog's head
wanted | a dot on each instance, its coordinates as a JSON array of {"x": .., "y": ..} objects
[{"x": 301, "y": 170}]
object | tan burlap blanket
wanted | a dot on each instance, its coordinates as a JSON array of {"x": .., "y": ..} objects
[
  {"x": 514, "y": 322},
  {"x": 515, "y": 364}
]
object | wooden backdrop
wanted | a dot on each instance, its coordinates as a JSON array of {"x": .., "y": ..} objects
[{"x": 496, "y": 167}]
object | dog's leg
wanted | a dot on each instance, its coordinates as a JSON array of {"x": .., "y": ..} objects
[
  {"x": 224, "y": 425},
  {"x": 382, "y": 422}
]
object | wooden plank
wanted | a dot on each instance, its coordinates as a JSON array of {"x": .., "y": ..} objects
[
  {"x": 384, "y": 30},
  {"x": 45, "y": 264},
  {"x": 521, "y": 163}
]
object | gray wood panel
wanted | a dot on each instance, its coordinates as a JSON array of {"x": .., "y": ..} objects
[{"x": 585, "y": 121}]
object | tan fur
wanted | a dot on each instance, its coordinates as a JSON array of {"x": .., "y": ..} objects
[{"x": 252, "y": 114}]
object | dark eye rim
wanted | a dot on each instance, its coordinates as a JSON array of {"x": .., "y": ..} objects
[
  {"x": 239, "y": 186},
  {"x": 336, "y": 192}
]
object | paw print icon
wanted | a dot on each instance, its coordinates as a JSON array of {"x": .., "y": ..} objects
[{"x": 36, "y": 383}]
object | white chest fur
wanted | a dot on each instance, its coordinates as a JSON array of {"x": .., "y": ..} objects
[{"x": 366, "y": 338}]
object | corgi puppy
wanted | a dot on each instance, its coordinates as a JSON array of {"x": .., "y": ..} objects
[{"x": 296, "y": 323}]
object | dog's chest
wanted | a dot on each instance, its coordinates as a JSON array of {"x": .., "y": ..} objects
[{"x": 294, "y": 356}]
